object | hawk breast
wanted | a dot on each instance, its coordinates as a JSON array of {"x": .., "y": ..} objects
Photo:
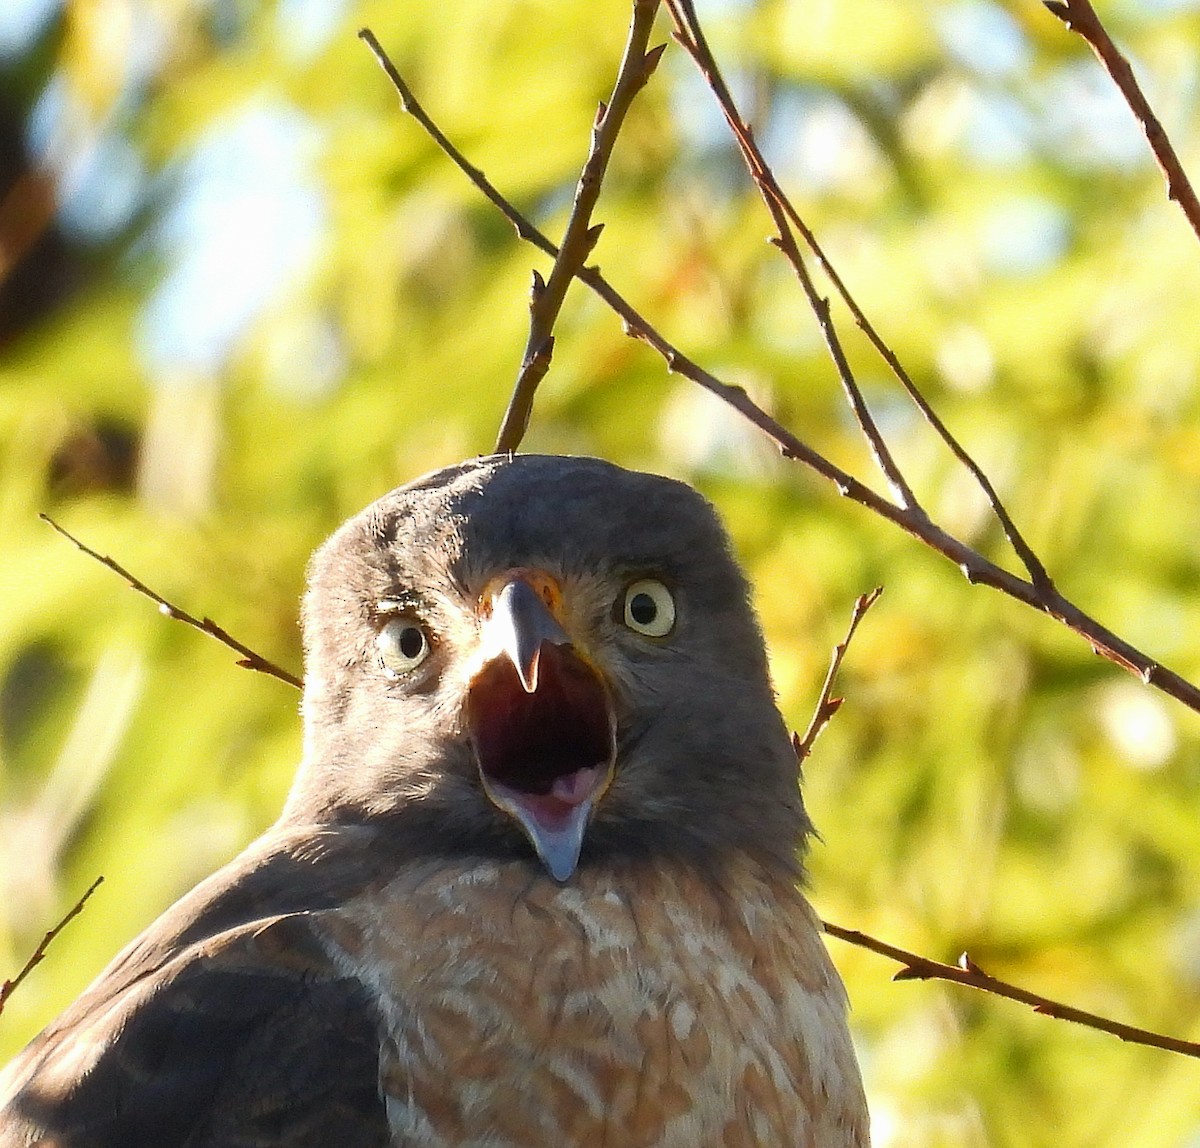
[{"x": 529, "y": 1013}]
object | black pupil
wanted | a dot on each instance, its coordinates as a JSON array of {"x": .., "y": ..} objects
[
  {"x": 643, "y": 609},
  {"x": 412, "y": 641}
]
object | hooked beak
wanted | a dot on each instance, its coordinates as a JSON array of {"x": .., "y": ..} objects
[{"x": 540, "y": 719}]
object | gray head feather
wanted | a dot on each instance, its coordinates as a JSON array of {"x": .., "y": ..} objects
[{"x": 704, "y": 764}]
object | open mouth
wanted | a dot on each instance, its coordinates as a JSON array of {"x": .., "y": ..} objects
[{"x": 543, "y": 734}]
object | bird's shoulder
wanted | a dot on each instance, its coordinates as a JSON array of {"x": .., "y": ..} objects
[{"x": 225, "y": 1023}]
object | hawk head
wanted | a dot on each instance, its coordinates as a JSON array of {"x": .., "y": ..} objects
[{"x": 543, "y": 654}]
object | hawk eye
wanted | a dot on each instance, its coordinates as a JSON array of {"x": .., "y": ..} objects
[
  {"x": 403, "y": 645},
  {"x": 649, "y": 608}
]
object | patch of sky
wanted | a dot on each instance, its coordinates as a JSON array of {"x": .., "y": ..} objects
[
  {"x": 895, "y": 416},
  {"x": 998, "y": 131},
  {"x": 1143, "y": 11},
  {"x": 246, "y": 220},
  {"x": 696, "y": 112},
  {"x": 983, "y": 38},
  {"x": 1024, "y": 235},
  {"x": 706, "y": 148},
  {"x": 716, "y": 8},
  {"x": 51, "y": 121},
  {"x": 306, "y": 26},
  {"x": 99, "y": 174},
  {"x": 98, "y": 197},
  {"x": 1084, "y": 119},
  {"x": 813, "y": 139},
  {"x": 22, "y": 23}
]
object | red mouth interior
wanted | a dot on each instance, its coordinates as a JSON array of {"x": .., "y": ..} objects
[{"x": 528, "y": 742}]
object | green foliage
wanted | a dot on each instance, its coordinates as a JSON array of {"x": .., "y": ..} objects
[{"x": 989, "y": 785}]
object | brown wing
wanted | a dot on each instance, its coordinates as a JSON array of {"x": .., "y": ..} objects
[{"x": 242, "y": 1038}]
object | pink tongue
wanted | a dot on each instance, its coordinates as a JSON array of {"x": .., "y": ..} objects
[
  {"x": 574, "y": 788},
  {"x": 555, "y": 809}
]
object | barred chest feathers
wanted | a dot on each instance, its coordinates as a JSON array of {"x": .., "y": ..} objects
[{"x": 687, "y": 1016}]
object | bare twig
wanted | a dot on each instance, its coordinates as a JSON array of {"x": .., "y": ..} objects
[
  {"x": 827, "y": 705},
  {"x": 690, "y": 35},
  {"x": 974, "y": 566},
  {"x": 1038, "y": 574},
  {"x": 579, "y": 238},
  {"x": 966, "y": 972},
  {"x": 1080, "y": 17},
  {"x": 249, "y": 659},
  {"x": 1045, "y": 595},
  {"x": 411, "y": 106},
  {"x": 38, "y": 954}
]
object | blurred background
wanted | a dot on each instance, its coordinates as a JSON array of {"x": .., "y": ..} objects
[{"x": 241, "y": 295}]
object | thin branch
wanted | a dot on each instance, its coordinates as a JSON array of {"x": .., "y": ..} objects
[
  {"x": 827, "y": 705},
  {"x": 38, "y": 955},
  {"x": 1080, "y": 17},
  {"x": 249, "y": 660},
  {"x": 580, "y": 237},
  {"x": 1046, "y": 597},
  {"x": 1033, "y": 564},
  {"x": 975, "y": 567},
  {"x": 966, "y": 972},
  {"x": 411, "y": 106},
  {"x": 690, "y": 35}
]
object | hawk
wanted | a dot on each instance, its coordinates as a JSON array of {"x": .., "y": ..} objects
[{"x": 537, "y": 882}]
